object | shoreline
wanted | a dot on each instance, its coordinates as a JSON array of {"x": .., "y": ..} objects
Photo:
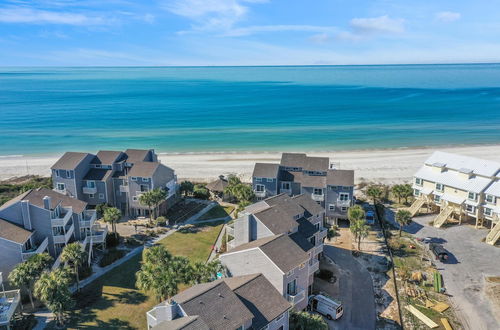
[{"x": 389, "y": 166}]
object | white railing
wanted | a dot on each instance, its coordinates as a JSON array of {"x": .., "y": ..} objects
[
  {"x": 323, "y": 233},
  {"x": 9, "y": 305},
  {"x": 314, "y": 266},
  {"x": 123, "y": 189},
  {"x": 260, "y": 193},
  {"x": 62, "y": 222},
  {"x": 343, "y": 202},
  {"x": 318, "y": 198},
  {"x": 297, "y": 297},
  {"x": 317, "y": 250},
  {"x": 41, "y": 248},
  {"x": 99, "y": 237},
  {"x": 64, "y": 238},
  {"x": 89, "y": 190},
  {"x": 89, "y": 217}
]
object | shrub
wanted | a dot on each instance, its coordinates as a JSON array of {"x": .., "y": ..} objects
[
  {"x": 325, "y": 274},
  {"x": 130, "y": 241},
  {"x": 24, "y": 322},
  {"x": 112, "y": 239},
  {"x": 111, "y": 256},
  {"x": 161, "y": 221},
  {"x": 304, "y": 320}
]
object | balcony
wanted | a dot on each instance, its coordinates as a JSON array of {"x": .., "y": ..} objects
[
  {"x": 260, "y": 194},
  {"x": 313, "y": 266},
  {"x": 294, "y": 299},
  {"x": 9, "y": 304},
  {"x": 323, "y": 233},
  {"x": 343, "y": 202},
  {"x": 99, "y": 236},
  {"x": 40, "y": 249},
  {"x": 64, "y": 238},
  {"x": 317, "y": 250},
  {"x": 124, "y": 189},
  {"x": 89, "y": 190},
  {"x": 318, "y": 198},
  {"x": 88, "y": 220},
  {"x": 63, "y": 218}
]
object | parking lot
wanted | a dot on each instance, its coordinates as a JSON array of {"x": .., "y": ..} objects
[{"x": 471, "y": 261}]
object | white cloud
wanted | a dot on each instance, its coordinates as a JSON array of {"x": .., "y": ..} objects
[
  {"x": 278, "y": 28},
  {"x": 448, "y": 16},
  {"x": 35, "y": 16},
  {"x": 381, "y": 24}
]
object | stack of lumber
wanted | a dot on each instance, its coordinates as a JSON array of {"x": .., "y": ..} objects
[{"x": 430, "y": 323}]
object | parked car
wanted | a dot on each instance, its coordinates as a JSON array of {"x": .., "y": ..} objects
[
  {"x": 439, "y": 251},
  {"x": 370, "y": 217},
  {"x": 326, "y": 306}
]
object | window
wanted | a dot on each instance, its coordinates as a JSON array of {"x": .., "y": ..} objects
[
  {"x": 291, "y": 288},
  {"x": 318, "y": 191},
  {"x": 331, "y": 207},
  {"x": 91, "y": 195},
  {"x": 488, "y": 211},
  {"x": 285, "y": 185},
  {"x": 437, "y": 199},
  {"x": 316, "y": 226},
  {"x": 68, "y": 174},
  {"x": 144, "y": 188},
  {"x": 269, "y": 179},
  {"x": 133, "y": 178},
  {"x": 490, "y": 199},
  {"x": 312, "y": 240},
  {"x": 345, "y": 188},
  {"x": 343, "y": 197},
  {"x": 418, "y": 181},
  {"x": 56, "y": 173},
  {"x": 61, "y": 186},
  {"x": 439, "y": 187},
  {"x": 145, "y": 179},
  {"x": 101, "y": 196},
  {"x": 472, "y": 196},
  {"x": 97, "y": 165},
  {"x": 260, "y": 188},
  {"x": 333, "y": 187},
  {"x": 470, "y": 209},
  {"x": 416, "y": 192},
  {"x": 343, "y": 209},
  {"x": 258, "y": 179},
  {"x": 90, "y": 184}
]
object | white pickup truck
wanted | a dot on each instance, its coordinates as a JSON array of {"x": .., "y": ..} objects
[{"x": 326, "y": 306}]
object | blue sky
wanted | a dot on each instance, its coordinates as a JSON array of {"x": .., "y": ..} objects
[{"x": 247, "y": 32}]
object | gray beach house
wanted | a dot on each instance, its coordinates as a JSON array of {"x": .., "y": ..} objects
[
  {"x": 316, "y": 177},
  {"x": 114, "y": 177}
]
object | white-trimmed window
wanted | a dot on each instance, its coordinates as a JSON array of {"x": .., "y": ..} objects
[
  {"x": 437, "y": 199},
  {"x": 133, "y": 178},
  {"x": 490, "y": 199},
  {"x": 57, "y": 174},
  {"x": 101, "y": 196},
  {"x": 260, "y": 188},
  {"x": 470, "y": 208},
  {"x": 439, "y": 187},
  {"x": 90, "y": 184},
  {"x": 333, "y": 187},
  {"x": 418, "y": 181},
  {"x": 345, "y": 188},
  {"x": 472, "y": 196},
  {"x": 285, "y": 185},
  {"x": 343, "y": 197},
  {"x": 91, "y": 195},
  {"x": 68, "y": 174},
  {"x": 488, "y": 211},
  {"x": 270, "y": 179},
  {"x": 61, "y": 186},
  {"x": 331, "y": 207},
  {"x": 145, "y": 179},
  {"x": 416, "y": 192},
  {"x": 318, "y": 191},
  {"x": 258, "y": 179},
  {"x": 343, "y": 209}
]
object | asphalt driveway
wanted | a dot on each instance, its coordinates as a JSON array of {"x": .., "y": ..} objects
[
  {"x": 464, "y": 275},
  {"x": 356, "y": 291}
]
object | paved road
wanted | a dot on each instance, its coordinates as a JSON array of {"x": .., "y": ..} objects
[
  {"x": 464, "y": 275},
  {"x": 356, "y": 292}
]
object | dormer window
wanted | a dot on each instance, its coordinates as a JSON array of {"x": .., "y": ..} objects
[
  {"x": 318, "y": 191},
  {"x": 488, "y": 212},
  {"x": 133, "y": 178},
  {"x": 145, "y": 179},
  {"x": 439, "y": 187},
  {"x": 472, "y": 196},
  {"x": 490, "y": 199},
  {"x": 418, "y": 181}
]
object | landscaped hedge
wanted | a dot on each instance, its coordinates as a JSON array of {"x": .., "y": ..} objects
[{"x": 111, "y": 256}]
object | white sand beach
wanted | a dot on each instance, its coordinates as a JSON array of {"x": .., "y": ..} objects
[{"x": 383, "y": 165}]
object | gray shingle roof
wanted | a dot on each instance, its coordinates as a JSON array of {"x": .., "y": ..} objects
[
  {"x": 13, "y": 232},
  {"x": 304, "y": 161},
  {"x": 97, "y": 174},
  {"x": 306, "y": 228},
  {"x": 107, "y": 157},
  {"x": 136, "y": 155},
  {"x": 301, "y": 241},
  {"x": 281, "y": 249},
  {"x": 265, "y": 170},
  {"x": 277, "y": 219},
  {"x": 35, "y": 197},
  {"x": 340, "y": 177},
  {"x": 183, "y": 323},
  {"x": 69, "y": 160},
  {"x": 315, "y": 181},
  {"x": 311, "y": 207},
  {"x": 144, "y": 169}
]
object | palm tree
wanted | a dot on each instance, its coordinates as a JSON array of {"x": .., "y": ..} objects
[
  {"x": 148, "y": 199},
  {"x": 53, "y": 290},
  {"x": 161, "y": 273},
  {"x": 406, "y": 191},
  {"x": 374, "y": 192},
  {"x": 397, "y": 190},
  {"x": 74, "y": 255},
  {"x": 159, "y": 196},
  {"x": 241, "y": 207},
  {"x": 112, "y": 215},
  {"x": 360, "y": 230},
  {"x": 202, "y": 273},
  {"x": 355, "y": 213},
  {"x": 25, "y": 274},
  {"x": 403, "y": 218}
]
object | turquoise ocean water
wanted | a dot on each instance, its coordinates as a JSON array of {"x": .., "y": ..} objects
[{"x": 216, "y": 109}]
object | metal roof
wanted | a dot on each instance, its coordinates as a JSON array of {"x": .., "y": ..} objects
[
  {"x": 453, "y": 179},
  {"x": 458, "y": 162}
]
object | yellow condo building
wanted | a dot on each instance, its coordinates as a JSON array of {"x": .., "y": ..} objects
[{"x": 460, "y": 188}]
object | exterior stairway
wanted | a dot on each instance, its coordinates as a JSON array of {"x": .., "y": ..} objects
[
  {"x": 416, "y": 206},
  {"x": 443, "y": 216},
  {"x": 494, "y": 234}
]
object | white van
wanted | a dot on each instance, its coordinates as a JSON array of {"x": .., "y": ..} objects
[{"x": 326, "y": 306}]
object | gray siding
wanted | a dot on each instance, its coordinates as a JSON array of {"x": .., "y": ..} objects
[
  {"x": 303, "y": 282},
  {"x": 10, "y": 254},
  {"x": 332, "y": 198},
  {"x": 271, "y": 187}
]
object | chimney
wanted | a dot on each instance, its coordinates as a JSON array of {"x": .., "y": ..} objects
[
  {"x": 46, "y": 202},
  {"x": 25, "y": 212}
]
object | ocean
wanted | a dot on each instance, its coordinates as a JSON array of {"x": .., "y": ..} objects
[{"x": 225, "y": 109}]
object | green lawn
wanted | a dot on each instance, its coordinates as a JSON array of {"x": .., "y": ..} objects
[
  {"x": 217, "y": 212},
  {"x": 113, "y": 302}
]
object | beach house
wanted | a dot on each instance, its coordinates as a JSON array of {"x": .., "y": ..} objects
[
  {"x": 42, "y": 220},
  {"x": 241, "y": 302},
  {"x": 114, "y": 177},
  {"x": 459, "y": 188},
  {"x": 316, "y": 177}
]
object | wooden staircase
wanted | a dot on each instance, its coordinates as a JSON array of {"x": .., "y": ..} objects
[
  {"x": 443, "y": 216},
  {"x": 494, "y": 234},
  {"x": 416, "y": 206}
]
